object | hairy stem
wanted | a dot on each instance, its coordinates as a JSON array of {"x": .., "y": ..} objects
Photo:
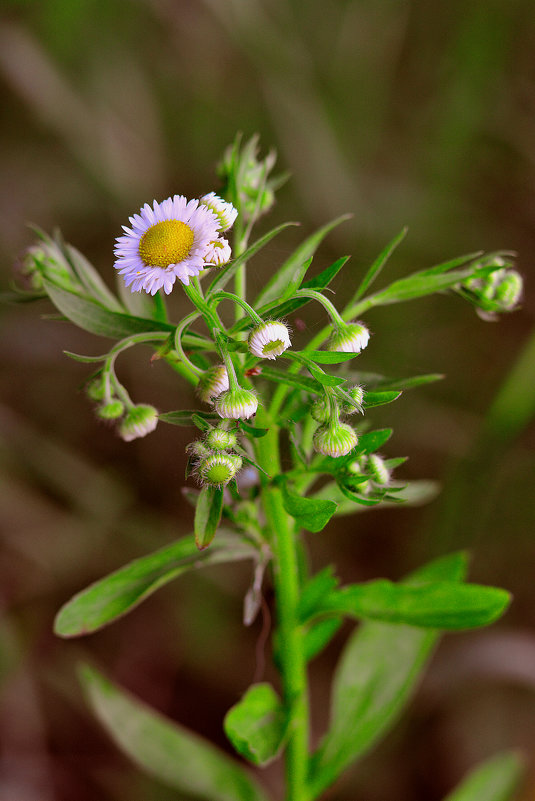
[{"x": 290, "y": 641}]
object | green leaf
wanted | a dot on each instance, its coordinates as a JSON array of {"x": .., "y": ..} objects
[
  {"x": 493, "y": 780},
  {"x": 323, "y": 279},
  {"x": 401, "y": 384},
  {"x": 171, "y": 753},
  {"x": 373, "y": 440},
  {"x": 256, "y": 725},
  {"x": 319, "y": 634},
  {"x": 310, "y": 514},
  {"x": 375, "y": 679},
  {"x": 90, "y": 278},
  {"x": 292, "y": 380},
  {"x": 315, "y": 590},
  {"x": 437, "y": 604},
  {"x": 200, "y": 420},
  {"x": 418, "y": 285},
  {"x": 184, "y": 417},
  {"x": 458, "y": 261},
  {"x": 328, "y": 356},
  {"x": 207, "y": 515},
  {"x": 93, "y": 317},
  {"x": 278, "y": 283},
  {"x": 378, "y": 265},
  {"x": 252, "y": 431},
  {"x": 379, "y": 398},
  {"x": 225, "y": 274},
  {"x": 121, "y": 591}
]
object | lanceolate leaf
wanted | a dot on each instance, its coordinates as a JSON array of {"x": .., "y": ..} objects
[
  {"x": 207, "y": 515},
  {"x": 116, "y": 594},
  {"x": 377, "y": 674},
  {"x": 93, "y": 317},
  {"x": 291, "y": 379},
  {"x": 379, "y": 398},
  {"x": 256, "y": 725},
  {"x": 169, "y": 752},
  {"x": 373, "y": 440},
  {"x": 494, "y": 780},
  {"x": 184, "y": 417},
  {"x": 275, "y": 287},
  {"x": 90, "y": 278},
  {"x": 310, "y": 514},
  {"x": 378, "y": 265},
  {"x": 441, "y": 604}
]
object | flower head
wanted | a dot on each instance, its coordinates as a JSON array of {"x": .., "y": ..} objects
[
  {"x": 218, "y": 439},
  {"x": 269, "y": 340},
  {"x": 223, "y": 210},
  {"x": 351, "y": 339},
  {"x": 212, "y": 383},
  {"x": 219, "y": 468},
  {"x": 218, "y": 253},
  {"x": 236, "y": 403},
  {"x": 335, "y": 440},
  {"x": 139, "y": 421},
  {"x": 166, "y": 242}
]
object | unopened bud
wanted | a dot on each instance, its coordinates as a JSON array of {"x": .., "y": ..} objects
[
  {"x": 357, "y": 394},
  {"x": 335, "y": 440},
  {"x": 139, "y": 421},
  {"x": 222, "y": 209},
  {"x": 212, "y": 383},
  {"x": 509, "y": 290},
  {"x": 236, "y": 404},
  {"x": 219, "y": 468},
  {"x": 111, "y": 410},
  {"x": 352, "y": 338},
  {"x": 269, "y": 340},
  {"x": 220, "y": 440},
  {"x": 95, "y": 389},
  {"x": 320, "y": 410},
  {"x": 378, "y": 470}
]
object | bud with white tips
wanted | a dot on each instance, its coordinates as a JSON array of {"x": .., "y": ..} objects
[
  {"x": 217, "y": 253},
  {"x": 139, "y": 421},
  {"x": 357, "y": 394},
  {"x": 222, "y": 209},
  {"x": 218, "y": 469},
  {"x": 198, "y": 450},
  {"x": 320, "y": 410},
  {"x": 352, "y": 338},
  {"x": 378, "y": 470},
  {"x": 335, "y": 439},
  {"x": 236, "y": 404},
  {"x": 218, "y": 439},
  {"x": 269, "y": 340},
  {"x": 212, "y": 383},
  {"x": 509, "y": 290}
]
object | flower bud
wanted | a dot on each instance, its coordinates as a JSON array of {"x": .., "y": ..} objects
[
  {"x": 139, "y": 421},
  {"x": 378, "y": 470},
  {"x": 351, "y": 339},
  {"x": 357, "y": 393},
  {"x": 217, "y": 253},
  {"x": 222, "y": 209},
  {"x": 220, "y": 440},
  {"x": 219, "y": 468},
  {"x": 236, "y": 403},
  {"x": 198, "y": 450},
  {"x": 335, "y": 440},
  {"x": 95, "y": 389},
  {"x": 320, "y": 410},
  {"x": 269, "y": 340},
  {"x": 111, "y": 411},
  {"x": 212, "y": 383},
  {"x": 509, "y": 290}
]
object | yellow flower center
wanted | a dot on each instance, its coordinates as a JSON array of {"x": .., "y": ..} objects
[{"x": 165, "y": 243}]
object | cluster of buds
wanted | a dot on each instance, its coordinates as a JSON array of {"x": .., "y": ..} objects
[
  {"x": 333, "y": 438},
  {"x": 136, "y": 420},
  {"x": 214, "y": 461},
  {"x": 241, "y": 168},
  {"x": 369, "y": 472},
  {"x": 494, "y": 292}
]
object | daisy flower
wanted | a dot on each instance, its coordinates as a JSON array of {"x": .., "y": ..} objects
[{"x": 167, "y": 241}]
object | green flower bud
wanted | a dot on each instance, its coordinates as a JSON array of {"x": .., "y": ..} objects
[
  {"x": 212, "y": 383},
  {"x": 335, "y": 440},
  {"x": 111, "y": 411},
  {"x": 509, "y": 290},
  {"x": 236, "y": 404},
  {"x": 95, "y": 389},
  {"x": 218, "y": 469},
  {"x": 220, "y": 440},
  {"x": 378, "y": 470},
  {"x": 269, "y": 340},
  {"x": 357, "y": 393},
  {"x": 352, "y": 338},
  {"x": 198, "y": 450},
  {"x": 320, "y": 410},
  {"x": 139, "y": 421}
]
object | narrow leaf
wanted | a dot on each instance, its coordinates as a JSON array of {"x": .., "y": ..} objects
[
  {"x": 418, "y": 285},
  {"x": 121, "y": 591},
  {"x": 277, "y": 284},
  {"x": 379, "y": 398},
  {"x": 375, "y": 679},
  {"x": 401, "y": 384},
  {"x": 319, "y": 634},
  {"x": 373, "y": 440},
  {"x": 494, "y": 780},
  {"x": 253, "y": 431},
  {"x": 256, "y": 725},
  {"x": 378, "y": 265},
  {"x": 90, "y": 278},
  {"x": 441, "y": 604},
  {"x": 291, "y": 379},
  {"x": 163, "y": 749},
  {"x": 184, "y": 417},
  {"x": 310, "y": 514},
  {"x": 93, "y": 317},
  {"x": 207, "y": 515},
  {"x": 329, "y": 356}
]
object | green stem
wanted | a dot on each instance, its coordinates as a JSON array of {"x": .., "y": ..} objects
[
  {"x": 160, "y": 309},
  {"x": 291, "y": 638},
  {"x": 257, "y": 320}
]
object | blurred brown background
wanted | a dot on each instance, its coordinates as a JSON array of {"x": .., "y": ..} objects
[{"x": 417, "y": 113}]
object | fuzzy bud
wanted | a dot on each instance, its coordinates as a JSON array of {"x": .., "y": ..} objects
[
  {"x": 95, "y": 389},
  {"x": 351, "y": 339},
  {"x": 236, "y": 403},
  {"x": 111, "y": 410},
  {"x": 212, "y": 383},
  {"x": 222, "y": 209},
  {"x": 335, "y": 440},
  {"x": 509, "y": 290},
  {"x": 357, "y": 394},
  {"x": 269, "y": 340},
  {"x": 139, "y": 421},
  {"x": 218, "y": 469},
  {"x": 378, "y": 470},
  {"x": 220, "y": 440},
  {"x": 198, "y": 450},
  {"x": 320, "y": 410}
]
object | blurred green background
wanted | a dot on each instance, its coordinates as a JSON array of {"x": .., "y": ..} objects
[{"x": 415, "y": 112}]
